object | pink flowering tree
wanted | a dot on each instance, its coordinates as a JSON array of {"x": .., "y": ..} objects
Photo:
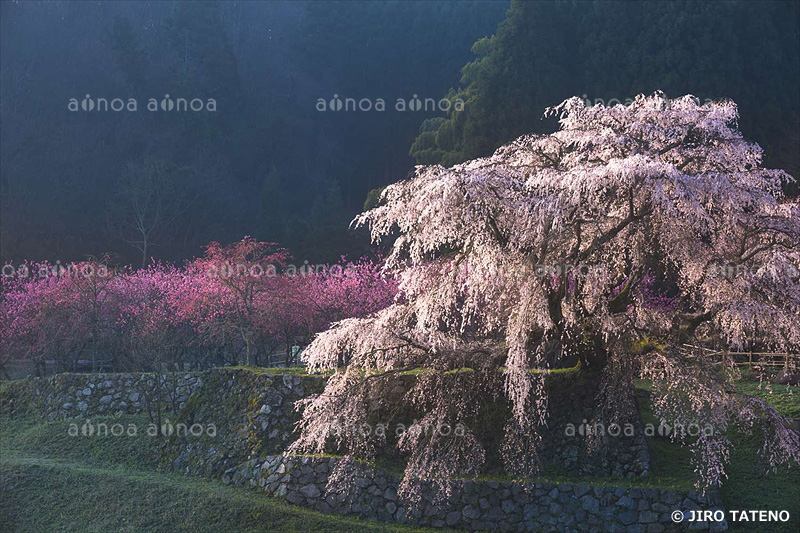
[
  {"x": 58, "y": 312},
  {"x": 203, "y": 305},
  {"x": 239, "y": 292},
  {"x": 352, "y": 289},
  {"x": 309, "y": 301},
  {"x": 34, "y": 317},
  {"x": 239, "y": 299},
  {"x": 93, "y": 308},
  {"x": 512, "y": 264},
  {"x": 153, "y": 337}
]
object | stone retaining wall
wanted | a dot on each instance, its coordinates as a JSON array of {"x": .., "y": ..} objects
[
  {"x": 82, "y": 395},
  {"x": 573, "y": 400},
  {"x": 475, "y": 505},
  {"x": 253, "y": 414}
]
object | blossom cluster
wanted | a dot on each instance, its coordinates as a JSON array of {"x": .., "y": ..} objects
[{"x": 163, "y": 314}]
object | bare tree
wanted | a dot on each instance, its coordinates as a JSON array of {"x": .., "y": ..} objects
[{"x": 152, "y": 195}]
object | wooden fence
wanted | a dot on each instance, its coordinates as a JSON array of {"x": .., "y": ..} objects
[{"x": 773, "y": 359}]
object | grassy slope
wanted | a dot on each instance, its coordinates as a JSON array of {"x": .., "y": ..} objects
[
  {"x": 50, "y": 481},
  {"x": 46, "y": 495},
  {"x": 748, "y": 486},
  {"x": 782, "y": 397}
]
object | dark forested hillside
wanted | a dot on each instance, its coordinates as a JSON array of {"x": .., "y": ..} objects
[
  {"x": 545, "y": 52},
  {"x": 265, "y": 162},
  {"x": 275, "y": 158}
]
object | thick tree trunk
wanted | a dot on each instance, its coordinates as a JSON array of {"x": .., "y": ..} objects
[{"x": 592, "y": 353}]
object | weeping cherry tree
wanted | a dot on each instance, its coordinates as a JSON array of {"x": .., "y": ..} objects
[{"x": 543, "y": 255}]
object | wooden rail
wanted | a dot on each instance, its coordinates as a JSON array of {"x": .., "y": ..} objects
[{"x": 774, "y": 359}]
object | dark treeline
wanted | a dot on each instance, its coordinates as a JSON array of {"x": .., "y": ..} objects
[
  {"x": 545, "y": 52},
  {"x": 268, "y": 163}
]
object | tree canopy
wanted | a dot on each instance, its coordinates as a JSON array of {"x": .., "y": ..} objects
[{"x": 614, "y": 241}]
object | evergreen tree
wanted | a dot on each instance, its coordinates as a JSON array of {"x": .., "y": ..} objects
[{"x": 544, "y": 52}]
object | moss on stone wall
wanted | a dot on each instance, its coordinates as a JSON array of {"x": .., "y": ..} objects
[{"x": 252, "y": 413}]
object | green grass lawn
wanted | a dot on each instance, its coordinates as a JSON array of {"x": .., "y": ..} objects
[
  {"x": 782, "y": 397},
  {"x": 50, "y": 481},
  {"x": 748, "y": 486},
  {"x": 48, "y": 495},
  {"x": 51, "y": 440}
]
